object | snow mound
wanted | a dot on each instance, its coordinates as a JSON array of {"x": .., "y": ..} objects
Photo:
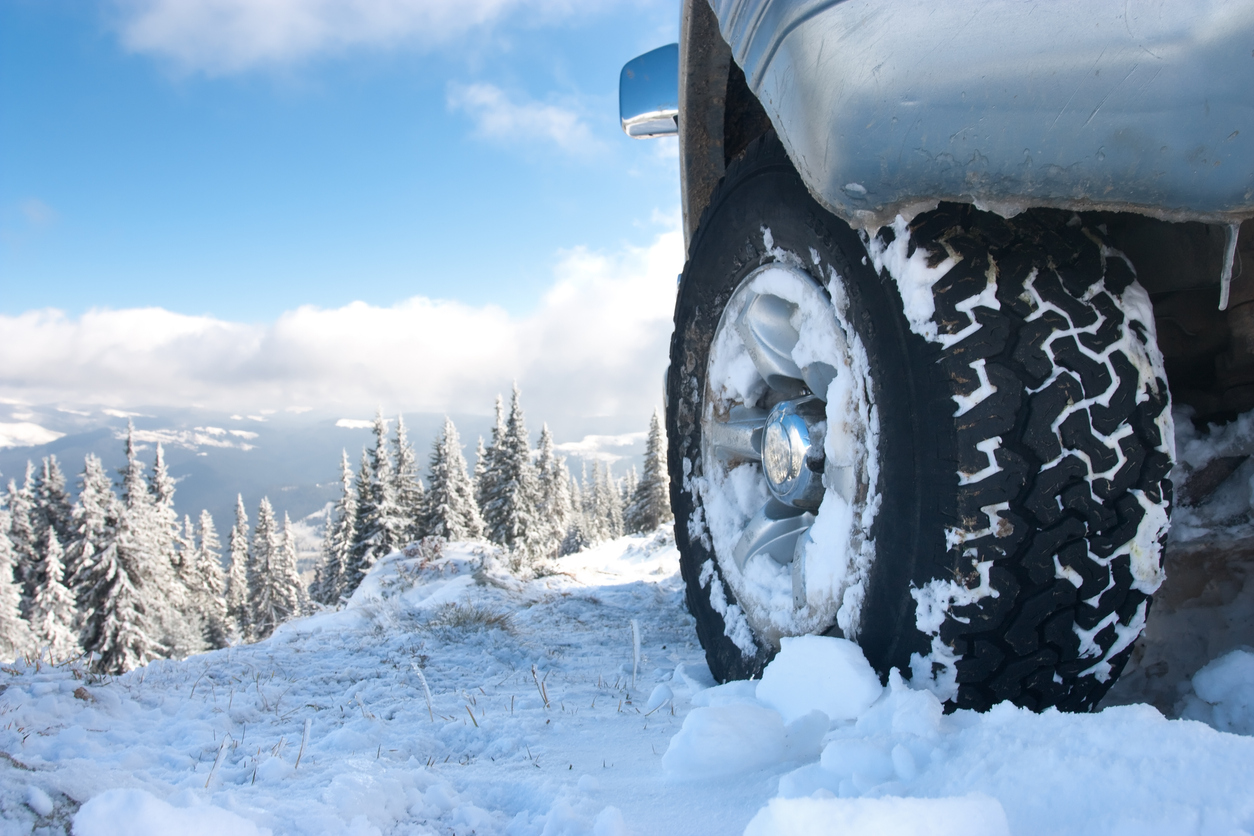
[
  {"x": 819, "y": 673},
  {"x": 423, "y": 577},
  {"x": 901, "y": 766},
  {"x": 731, "y": 739},
  {"x": 139, "y": 813},
  {"x": 1223, "y": 693},
  {"x": 972, "y": 815}
]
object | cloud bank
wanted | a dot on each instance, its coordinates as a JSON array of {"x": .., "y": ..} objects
[
  {"x": 596, "y": 345},
  {"x": 228, "y": 36}
]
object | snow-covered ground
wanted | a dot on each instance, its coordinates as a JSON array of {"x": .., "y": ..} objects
[{"x": 550, "y": 713}]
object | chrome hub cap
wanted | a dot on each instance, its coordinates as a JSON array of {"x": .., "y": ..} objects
[{"x": 792, "y": 453}]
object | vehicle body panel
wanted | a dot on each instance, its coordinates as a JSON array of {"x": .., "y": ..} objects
[{"x": 890, "y": 106}]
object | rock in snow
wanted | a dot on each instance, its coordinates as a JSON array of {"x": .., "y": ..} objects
[{"x": 534, "y": 727}]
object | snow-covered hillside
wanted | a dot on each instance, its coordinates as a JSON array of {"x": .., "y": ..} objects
[{"x": 543, "y": 717}]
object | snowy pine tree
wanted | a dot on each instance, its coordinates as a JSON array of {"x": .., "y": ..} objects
[
  {"x": 119, "y": 631},
  {"x": 390, "y": 521},
  {"x": 578, "y": 535},
  {"x": 452, "y": 511},
  {"x": 15, "y": 637},
  {"x": 52, "y": 501},
  {"x": 627, "y": 491},
  {"x": 22, "y": 536},
  {"x": 651, "y": 501},
  {"x": 170, "y": 605},
  {"x": 123, "y": 631},
  {"x": 289, "y": 590},
  {"x": 238, "y": 609},
  {"x": 380, "y": 524},
  {"x": 360, "y": 552},
  {"x": 410, "y": 495},
  {"x": 592, "y": 522},
  {"x": 510, "y": 515},
  {"x": 207, "y": 584},
  {"x": 262, "y": 608},
  {"x": 52, "y": 610},
  {"x": 576, "y": 498},
  {"x": 95, "y": 519},
  {"x": 606, "y": 507},
  {"x": 331, "y": 580},
  {"x": 553, "y": 505},
  {"x": 274, "y": 586},
  {"x": 192, "y": 616},
  {"x": 487, "y": 475}
]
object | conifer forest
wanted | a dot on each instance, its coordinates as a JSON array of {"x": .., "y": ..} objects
[{"x": 113, "y": 576}]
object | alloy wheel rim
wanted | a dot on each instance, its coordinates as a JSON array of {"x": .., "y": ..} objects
[{"x": 771, "y": 436}]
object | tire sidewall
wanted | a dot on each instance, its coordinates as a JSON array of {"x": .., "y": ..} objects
[{"x": 916, "y": 462}]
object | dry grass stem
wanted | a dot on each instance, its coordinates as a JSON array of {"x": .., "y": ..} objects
[
  {"x": 304, "y": 741},
  {"x": 544, "y": 695}
]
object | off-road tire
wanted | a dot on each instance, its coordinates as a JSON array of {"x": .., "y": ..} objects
[{"x": 1062, "y": 368}]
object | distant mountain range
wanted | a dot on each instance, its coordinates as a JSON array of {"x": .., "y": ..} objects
[{"x": 291, "y": 458}]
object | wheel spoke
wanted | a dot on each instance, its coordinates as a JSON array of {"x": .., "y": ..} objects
[
  {"x": 818, "y": 376},
  {"x": 765, "y": 326},
  {"x": 773, "y": 530},
  {"x": 740, "y": 436}
]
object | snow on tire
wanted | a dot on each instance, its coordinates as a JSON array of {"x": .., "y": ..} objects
[
  {"x": 1064, "y": 434},
  {"x": 1007, "y": 528}
]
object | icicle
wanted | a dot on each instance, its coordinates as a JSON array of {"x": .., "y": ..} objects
[{"x": 1230, "y": 254}]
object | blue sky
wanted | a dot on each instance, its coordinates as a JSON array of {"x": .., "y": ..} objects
[
  {"x": 331, "y": 205},
  {"x": 181, "y": 170}
]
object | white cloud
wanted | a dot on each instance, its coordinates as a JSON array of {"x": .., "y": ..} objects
[
  {"x": 354, "y": 423},
  {"x": 228, "y": 36},
  {"x": 499, "y": 118},
  {"x": 595, "y": 346},
  {"x": 37, "y": 212},
  {"x": 190, "y": 439},
  {"x": 598, "y": 447}
]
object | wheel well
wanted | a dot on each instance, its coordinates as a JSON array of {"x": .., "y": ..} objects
[
  {"x": 719, "y": 115},
  {"x": 744, "y": 119},
  {"x": 1209, "y": 353}
]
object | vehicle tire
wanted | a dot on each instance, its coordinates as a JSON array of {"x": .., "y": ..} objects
[{"x": 993, "y": 452}]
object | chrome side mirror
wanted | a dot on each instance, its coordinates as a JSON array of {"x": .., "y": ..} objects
[{"x": 648, "y": 94}]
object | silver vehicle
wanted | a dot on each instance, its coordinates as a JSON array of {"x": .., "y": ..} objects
[{"x": 948, "y": 265}]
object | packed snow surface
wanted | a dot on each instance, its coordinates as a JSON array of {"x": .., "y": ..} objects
[{"x": 534, "y": 725}]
